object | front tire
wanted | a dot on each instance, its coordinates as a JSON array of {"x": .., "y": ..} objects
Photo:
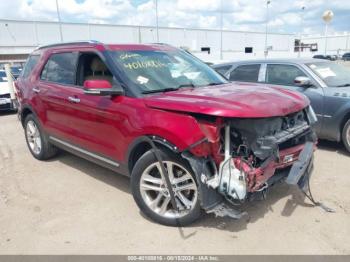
[
  {"x": 346, "y": 135},
  {"x": 37, "y": 141},
  {"x": 151, "y": 193}
]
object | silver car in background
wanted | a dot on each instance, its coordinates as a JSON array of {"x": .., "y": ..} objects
[
  {"x": 5, "y": 97},
  {"x": 325, "y": 83}
]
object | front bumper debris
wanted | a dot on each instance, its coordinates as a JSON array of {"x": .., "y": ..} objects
[
  {"x": 300, "y": 174},
  {"x": 301, "y": 169},
  {"x": 223, "y": 210},
  {"x": 254, "y": 154}
]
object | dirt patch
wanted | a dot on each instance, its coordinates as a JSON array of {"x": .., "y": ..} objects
[{"x": 70, "y": 206}]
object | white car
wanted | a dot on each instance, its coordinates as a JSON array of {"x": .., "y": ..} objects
[{"x": 5, "y": 98}]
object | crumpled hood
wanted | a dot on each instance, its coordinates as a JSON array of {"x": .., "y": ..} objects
[{"x": 231, "y": 100}]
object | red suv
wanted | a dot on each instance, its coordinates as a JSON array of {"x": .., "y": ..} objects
[{"x": 189, "y": 140}]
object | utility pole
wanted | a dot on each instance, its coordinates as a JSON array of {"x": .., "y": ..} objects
[
  {"x": 221, "y": 28},
  {"x": 267, "y": 21},
  {"x": 157, "y": 25},
  {"x": 59, "y": 20},
  {"x": 140, "y": 40},
  {"x": 301, "y": 30},
  {"x": 327, "y": 18},
  {"x": 325, "y": 39}
]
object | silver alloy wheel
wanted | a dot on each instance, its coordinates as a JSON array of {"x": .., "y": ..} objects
[
  {"x": 33, "y": 136},
  {"x": 348, "y": 135},
  {"x": 156, "y": 195}
]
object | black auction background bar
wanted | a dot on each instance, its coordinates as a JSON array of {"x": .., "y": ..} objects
[{"x": 184, "y": 258}]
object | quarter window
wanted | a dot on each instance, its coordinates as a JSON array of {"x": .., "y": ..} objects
[
  {"x": 282, "y": 74},
  {"x": 246, "y": 73},
  {"x": 60, "y": 68},
  {"x": 31, "y": 62},
  {"x": 223, "y": 69}
]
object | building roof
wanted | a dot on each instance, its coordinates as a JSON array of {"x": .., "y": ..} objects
[{"x": 279, "y": 60}]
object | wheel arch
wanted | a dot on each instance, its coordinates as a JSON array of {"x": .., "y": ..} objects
[
  {"x": 345, "y": 119},
  {"x": 140, "y": 146},
  {"x": 26, "y": 110},
  {"x": 332, "y": 127}
]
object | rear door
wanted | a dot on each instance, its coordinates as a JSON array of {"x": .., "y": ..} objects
[
  {"x": 246, "y": 73},
  {"x": 284, "y": 75},
  {"x": 55, "y": 86}
]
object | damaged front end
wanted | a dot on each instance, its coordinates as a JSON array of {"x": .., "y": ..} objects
[{"x": 241, "y": 157}]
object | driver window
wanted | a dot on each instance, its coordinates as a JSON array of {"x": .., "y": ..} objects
[
  {"x": 91, "y": 67},
  {"x": 282, "y": 74}
]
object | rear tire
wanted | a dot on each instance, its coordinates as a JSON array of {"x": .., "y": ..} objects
[
  {"x": 37, "y": 141},
  {"x": 346, "y": 135},
  {"x": 156, "y": 204}
]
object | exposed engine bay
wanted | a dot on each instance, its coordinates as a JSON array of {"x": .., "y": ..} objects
[{"x": 249, "y": 155}]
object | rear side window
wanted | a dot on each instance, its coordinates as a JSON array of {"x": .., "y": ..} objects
[
  {"x": 222, "y": 69},
  {"x": 282, "y": 74},
  {"x": 60, "y": 68},
  {"x": 245, "y": 73},
  {"x": 30, "y": 64}
]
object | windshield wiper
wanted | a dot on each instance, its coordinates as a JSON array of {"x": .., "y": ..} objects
[
  {"x": 211, "y": 84},
  {"x": 168, "y": 89},
  {"x": 344, "y": 85},
  {"x": 186, "y": 85},
  {"x": 214, "y": 84}
]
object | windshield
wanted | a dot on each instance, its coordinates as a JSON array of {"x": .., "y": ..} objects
[
  {"x": 156, "y": 71},
  {"x": 333, "y": 74}
]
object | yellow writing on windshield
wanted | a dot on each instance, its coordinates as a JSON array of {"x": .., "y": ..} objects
[
  {"x": 144, "y": 64},
  {"x": 128, "y": 55}
]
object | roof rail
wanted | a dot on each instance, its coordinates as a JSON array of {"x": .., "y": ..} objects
[{"x": 69, "y": 43}]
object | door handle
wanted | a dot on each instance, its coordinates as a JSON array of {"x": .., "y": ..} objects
[
  {"x": 73, "y": 99},
  {"x": 36, "y": 90}
]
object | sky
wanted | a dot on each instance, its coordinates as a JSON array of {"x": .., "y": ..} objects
[{"x": 284, "y": 16}]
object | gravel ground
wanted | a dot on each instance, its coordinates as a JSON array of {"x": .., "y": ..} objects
[
  {"x": 347, "y": 63},
  {"x": 70, "y": 206}
]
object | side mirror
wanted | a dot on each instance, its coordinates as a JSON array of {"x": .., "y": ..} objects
[
  {"x": 302, "y": 81},
  {"x": 100, "y": 87}
]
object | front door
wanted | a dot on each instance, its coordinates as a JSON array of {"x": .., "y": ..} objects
[
  {"x": 93, "y": 118},
  {"x": 284, "y": 75}
]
